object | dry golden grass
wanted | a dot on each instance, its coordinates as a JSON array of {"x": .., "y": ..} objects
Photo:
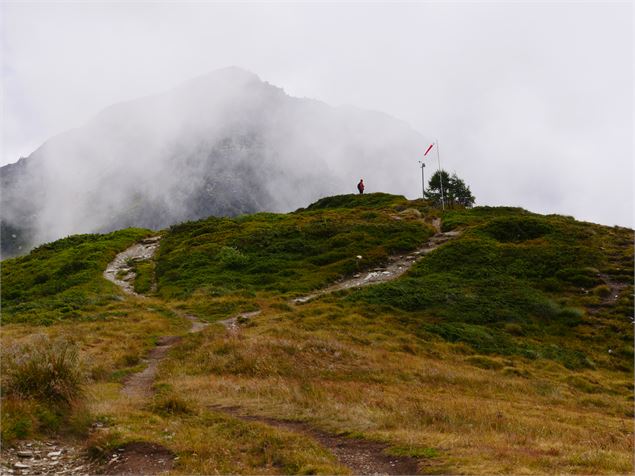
[
  {"x": 206, "y": 442},
  {"x": 480, "y": 421},
  {"x": 521, "y": 417}
]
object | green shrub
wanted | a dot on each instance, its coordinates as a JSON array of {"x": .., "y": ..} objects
[
  {"x": 58, "y": 280},
  {"x": 413, "y": 451},
  {"x": 171, "y": 404},
  {"x": 296, "y": 252},
  {"x": 42, "y": 390},
  {"x": 231, "y": 257},
  {"x": 144, "y": 279},
  {"x": 602, "y": 290},
  {"x": 515, "y": 229},
  {"x": 369, "y": 200},
  {"x": 582, "y": 277},
  {"x": 514, "y": 329}
]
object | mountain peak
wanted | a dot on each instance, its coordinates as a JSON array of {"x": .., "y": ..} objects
[{"x": 230, "y": 74}]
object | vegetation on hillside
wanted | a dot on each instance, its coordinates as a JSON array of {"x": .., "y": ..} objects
[
  {"x": 296, "y": 252},
  {"x": 520, "y": 284},
  {"x": 509, "y": 349},
  {"x": 59, "y": 280}
]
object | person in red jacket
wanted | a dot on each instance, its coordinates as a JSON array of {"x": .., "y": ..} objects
[{"x": 360, "y": 186}]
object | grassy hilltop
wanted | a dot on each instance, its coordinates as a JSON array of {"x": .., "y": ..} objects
[{"x": 509, "y": 349}]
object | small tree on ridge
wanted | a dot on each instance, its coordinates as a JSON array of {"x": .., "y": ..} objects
[{"x": 455, "y": 190}]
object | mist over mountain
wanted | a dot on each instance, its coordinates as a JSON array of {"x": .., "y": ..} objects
[{"x": 222, "y": 144}]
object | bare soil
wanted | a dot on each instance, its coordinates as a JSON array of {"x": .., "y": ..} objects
[
  {"x": 140, "y": 384},
  {"x": 139, "y": 458},
  {"x": 362, "y": 457},
  {"x": 615, "y": 290}
]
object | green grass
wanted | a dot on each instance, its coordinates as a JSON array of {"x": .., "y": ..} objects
[
  {"x": 372, "y": 200},
  {"x": 63, "y": 279},
  {"x": 296, "y": 252},
  {"x": 518, "y": 283},
  {"x": 144, "y": 279}
]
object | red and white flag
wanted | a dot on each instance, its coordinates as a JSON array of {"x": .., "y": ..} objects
[{"x": 431, "y": 146}]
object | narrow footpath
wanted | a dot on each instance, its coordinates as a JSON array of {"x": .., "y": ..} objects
[{"x": 362, "y": 457}]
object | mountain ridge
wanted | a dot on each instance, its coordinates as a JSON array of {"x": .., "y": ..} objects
[{"x": 223, "y": 143}]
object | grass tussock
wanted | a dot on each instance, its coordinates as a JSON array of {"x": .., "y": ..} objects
[
  {"x": 46, "y": 370},
  {"x": 43, "y": 389}
]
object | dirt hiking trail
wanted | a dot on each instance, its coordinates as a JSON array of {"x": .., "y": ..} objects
[
  {"x": 360, "y": 456},
  {"x": 397, "y": 265},
  {"x": 139, "y": 385},
  {"x": 120, "y": 271}
]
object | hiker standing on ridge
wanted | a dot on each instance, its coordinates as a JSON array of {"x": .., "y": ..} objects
[{"x": 360, "y": 186}]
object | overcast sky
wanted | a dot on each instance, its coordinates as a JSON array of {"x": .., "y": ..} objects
[{"x": 531, "y": 101}]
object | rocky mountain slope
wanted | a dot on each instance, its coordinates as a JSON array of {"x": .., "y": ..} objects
[{"x": 223, "y": 144}]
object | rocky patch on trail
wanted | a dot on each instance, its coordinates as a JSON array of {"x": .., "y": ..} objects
[
  {"x": 396, "y": 266},
  {"x": 233, "y": 323},
  {"x": 139, "y": 458},
  {"x": 45, "y": 457},
  {"x": 120, "y": 270},
  {"x": 610, "y": 298},
  {"x": 615, "y": 289}
]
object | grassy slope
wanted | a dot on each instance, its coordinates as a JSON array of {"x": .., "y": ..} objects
[
  {"x": 521, "y": 284},
  {"x": 490, "y": 356},
  {"x": 61, "y": 280},
  {"x": 296, "y": 252},
  {"x": 219, "y": 264}
]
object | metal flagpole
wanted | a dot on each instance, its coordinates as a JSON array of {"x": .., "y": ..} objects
[
  {"x": 440, "y": 176},
  {"x": 423, "y": 186}
]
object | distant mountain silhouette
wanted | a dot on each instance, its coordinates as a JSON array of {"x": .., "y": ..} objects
[{"x": 222, "y": 144}]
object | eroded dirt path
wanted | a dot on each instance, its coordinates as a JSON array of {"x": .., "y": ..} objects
[
  {"x": 615, "y": 289},
  {"x": 139, "y": 385},
  {"x": 142, "y": 457},
  {"x": 120, "y": 271},
  {"x": 139, "y": 458},
  {"x": 362, "y": 457},
  {"x": 396, "y": 266}
]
